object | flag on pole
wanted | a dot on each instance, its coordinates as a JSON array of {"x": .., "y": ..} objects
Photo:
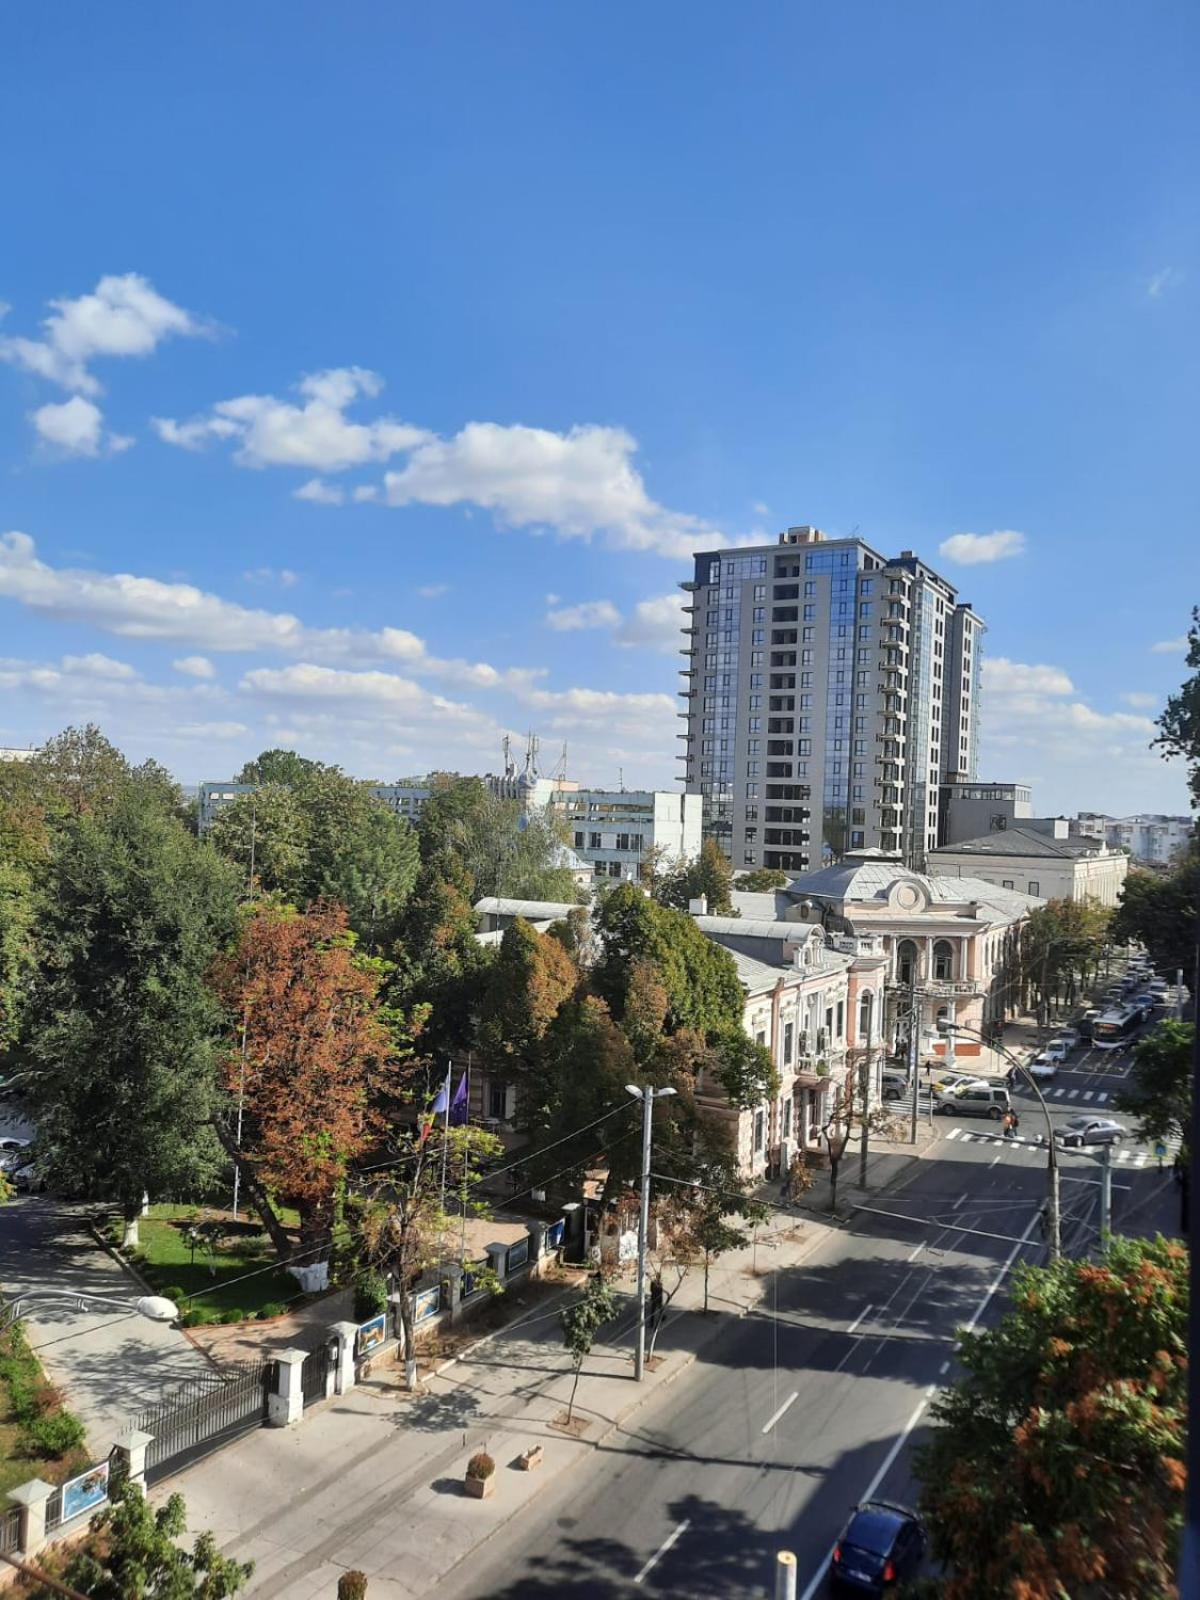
[
  {"x": 440, "y": 1106},
  {"x": 458, "y": 1106}
]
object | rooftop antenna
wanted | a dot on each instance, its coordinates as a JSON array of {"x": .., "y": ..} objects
[
  {"x": 510, "y": 766},
  {"x": 560, "y": 771},
  {"x": 621, "y": 779}
]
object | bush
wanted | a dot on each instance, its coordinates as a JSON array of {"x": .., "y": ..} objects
[
  {"x": 53, "y": 1435},
  {"x": 199, "y": 1316},
  {"x": 480, "y": 1465},
  {"x": 234, "y": 1314},
  {"x": 273, "y": 1308},
  {"x": 352, "y": 1586},
  {"x": 370, "y": 1296}
]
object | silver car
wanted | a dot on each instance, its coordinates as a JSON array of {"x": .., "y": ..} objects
[{"x": 1090, "y": 1130}]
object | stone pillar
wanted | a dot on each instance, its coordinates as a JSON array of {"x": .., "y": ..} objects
[
  {"x": 32, "y": 1497},
  {"x": 497, "y": 1255},
  {"x": 537, "y": 1241},
  {"x": 452, "y": 1280},
  {"x": 286, "y": 1405},
  {"x": 130, "y": 1450},
  {"x": 343, "y": 1373}
]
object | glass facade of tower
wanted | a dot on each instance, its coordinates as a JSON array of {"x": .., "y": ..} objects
[{"x": 816, "y": 676}]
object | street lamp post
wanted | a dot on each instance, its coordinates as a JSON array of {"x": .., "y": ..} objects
[
  {"x": 647, "y": 1096},
  {"x": 1053, "y": 1208},
  {"x": 154, "y": 1307}
]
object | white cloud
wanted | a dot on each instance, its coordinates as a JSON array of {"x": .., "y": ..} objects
[
  {"x": 1143, "y": 702},
  {"x": 283, "y": 576},
  {"x": 760, "y": 508},
  {"x": 588, "y": 614},
  {"x": 655, "y": 624},
  {"x": 579, "y": 483},
  {"x": 133, "y": 607},
  {"x": 433, "y": 591},
  {"x": 1001, "y": 676},
  {"x": 1165, "y": 278},
  {"x": 317, "y": 433},
  {"x": 216, "y": 731},
  {"x": 320, "y": 493},
  {"x": 195, "y": 667},
  {"x": 1170, "y": 647},
  {"x": 76, "y": 427},
  {"x": 593, "y": 703},
  {"x": 971, "y": 549},
  {"x": 100, "y": 666},
  {"x": 123, "y": 316}
]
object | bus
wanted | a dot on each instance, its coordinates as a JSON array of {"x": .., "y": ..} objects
[{"x": 1110, "y": 1031}]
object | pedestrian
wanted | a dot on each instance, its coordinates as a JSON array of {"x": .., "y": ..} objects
[
  {"x": 1016, "y": 1122},
  {"x": 1008, "y": 1124},
  {"x": 1180, "y": 1169}
]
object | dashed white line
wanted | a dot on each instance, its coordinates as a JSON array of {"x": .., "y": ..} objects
[
  {"x": 790, "y": 1401},
  {"x": 916, "y": 1252},
  {"x": 662, "y": 1549},
  {"x": 954, "y": 1133},
  {"x": 944, "y": 1369},
  {"x": 859, "y": 1319},
  {"x": 959, "y": 1201},
  {"x": 1101, "y": 1098},
  {"x": 1087, "y": 1093}
]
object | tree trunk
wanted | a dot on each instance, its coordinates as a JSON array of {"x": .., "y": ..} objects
[
  {"x": 833, "y": 1177},
  {"x": 574, "y": 1386},
  {"x": 131, "y": 1211},
  {"x": 408, "y": 1333},
  {"x": 706, "y": 1260},
  {"x": 256, "y": 1193}
]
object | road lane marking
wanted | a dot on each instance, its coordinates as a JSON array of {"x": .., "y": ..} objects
[
  {"x": 1087, "y": 1094},
  {"x": 889, "y": 1461},
  {"x": 954, "y": 1133},
  {"x": 995, "y": 1158},
  {"x": 662, "y": 1550},
  {"x": 859, "y": 1319},
  {"x": 791, "y": 1400},
  {"x": 959, "y": 1201},
  {"x": 1101, "y": 1098},
  {"x": 944, "y": 1368},
  {"x": 916, "y": 1252},
  {"x": 1123, "y": 1155}
]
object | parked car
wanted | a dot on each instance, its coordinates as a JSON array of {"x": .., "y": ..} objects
[
  {"x": 1069, "y": 1037},
  {"x": 1158, "y": 986},
  {"x": 973, "y": 1100},
  {"x": 880, "y": 1548},
  {"x": 1057, "y": 1050},
  {"x": 27, "y": 1179},
  {"x": 1043, "y": 1065},
  {"x": 894, "y": 1084},
  {"x": 1090, "y": 1130},
  {"x": 12, "y": 1152}
]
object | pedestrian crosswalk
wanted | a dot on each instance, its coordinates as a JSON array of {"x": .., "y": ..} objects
[
  {"x": 1132, "y": 1159},
  {"x": 1098, "y": 1097}
]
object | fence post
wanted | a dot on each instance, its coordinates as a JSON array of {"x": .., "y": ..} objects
[
  {"x": 346, "y": 1334},
  {"x": 32, "y": 1498},
  {"x": 131, "y": 1447},
  {"x": 498, "y": 1259},
  {"x": 286, "y": 1405},
  {"x": 537, "y": 1246}
]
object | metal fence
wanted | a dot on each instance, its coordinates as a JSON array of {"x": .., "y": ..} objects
[
  {"x": 314, "y": 1374},
  {"x": 10, "y": 1530},
  {"x": 54, "y": 1510},
  {"x": 205, "y": 1413}
]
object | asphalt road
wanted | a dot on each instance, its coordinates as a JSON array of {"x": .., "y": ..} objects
[{"x": 795, "y": 1413}]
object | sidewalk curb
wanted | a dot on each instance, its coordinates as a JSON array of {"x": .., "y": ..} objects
[{"x": 116, "y": 1255}]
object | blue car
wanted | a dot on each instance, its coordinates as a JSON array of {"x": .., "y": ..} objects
[{"x": 880, "y": 1548}]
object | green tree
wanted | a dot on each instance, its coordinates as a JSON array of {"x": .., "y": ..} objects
[
  {"x": 122, "y": 1028},
  {"x": 132, "y": 1553},
  {"x": 762, "y": 880},
  {"x": 1158, "y": 1090},
  {"x": 1179, "y": 723},
  {"x": 700, "y": 977},
  {"x": 709, "y": 875},
  {"x": 1061, "y": 950},
  {"x": 1056, "y": 1464},
  {"x": 265, "y": 835},
  {"x": 360, "y": 853},
  {"x": 580, "y": 1324},
  {"x": 1163, "y": 913},
  {"x": 503, "y": 849},
  {"x": 82, "y": 772},
  {"x": 527, "y": 985},
  {"x": 437, "y": 960},
  {"x": 282, "y": 767}
]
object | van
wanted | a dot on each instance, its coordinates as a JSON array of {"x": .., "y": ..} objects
[{"x": 973, "y": 1100}]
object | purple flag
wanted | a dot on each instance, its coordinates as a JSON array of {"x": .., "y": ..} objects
[{"x": 458, "y": 1106}]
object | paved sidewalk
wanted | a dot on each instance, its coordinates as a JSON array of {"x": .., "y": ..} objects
[
  {"x": 374, "y": 1479},
  {"x": 109, "y": 1364}
]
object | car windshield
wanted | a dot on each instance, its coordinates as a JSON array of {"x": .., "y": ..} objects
[
  {"x": 873, "y": 1531},
  {"x": 1079, "y": 1122}
]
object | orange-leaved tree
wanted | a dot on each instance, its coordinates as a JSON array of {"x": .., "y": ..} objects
[{"x": 312, "y": 1057}]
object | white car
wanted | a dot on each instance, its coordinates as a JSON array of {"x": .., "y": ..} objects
[
  {"x": 1042, "y": 1066},
  {"x": 1057, "y": 1051},
  {"x": 1069, "y": 1037},
  {"x": 12, "y": 1152}
]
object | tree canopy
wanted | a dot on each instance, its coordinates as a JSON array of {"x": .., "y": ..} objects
[
  {"x": 1163, "y": 913},
  {"x": 1179, "y": 723},
  {"x": 1056, "y": 1464},
  {"x": 1158, "y": 1090}
]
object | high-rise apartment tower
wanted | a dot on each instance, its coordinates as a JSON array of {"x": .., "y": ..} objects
[{"x": 830, "y": 692}]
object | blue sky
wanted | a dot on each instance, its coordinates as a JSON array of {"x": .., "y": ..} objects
[{"x": 368, "y": 372}]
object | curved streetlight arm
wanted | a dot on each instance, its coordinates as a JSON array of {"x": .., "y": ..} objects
[
  {"x": 154, "y": 1307},
  {"x": 1053, "y": 1217}
]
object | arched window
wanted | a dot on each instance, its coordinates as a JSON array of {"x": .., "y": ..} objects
[
  {"x": 906, "y": 960},
  {"x": 864, "y": 1016},
  {"x": 943, "y": 959}
]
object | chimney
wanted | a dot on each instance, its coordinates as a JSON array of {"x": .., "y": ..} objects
[{"x": 699, "y": 906}]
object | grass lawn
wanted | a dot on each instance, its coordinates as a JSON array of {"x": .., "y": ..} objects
[
  {"x": 209, "y": 1269},
  {"x": 20, "y": 1458}
]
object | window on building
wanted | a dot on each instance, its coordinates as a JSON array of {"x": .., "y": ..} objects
[
  {"x": 906, "y": 960},
  {"x": 1034, "y": 886},
  {"x": 497, "y": 1101},
  {"x": 943, "y": 960},
  {"x": 788, "y": 1034},
  {"x": 593, "y": 841},
  {"x": 787, "y": 1116},
  {"x": 864, "y": 1016},
  {"x": 1006, "y": 883},
  {"x": 841, "y": 1019},
  {"x": 579, "y": 841}
]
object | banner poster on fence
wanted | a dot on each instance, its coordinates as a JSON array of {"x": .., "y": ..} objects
[
  {"x": 426, "y": 1303},
  {"x": 87, "y": 1490},
  {"x": 371, "y": 1333}
]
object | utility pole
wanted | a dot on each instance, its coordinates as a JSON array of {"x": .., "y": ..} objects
[
  {"x": 914, "y": 1047},
  {"x": 1105, "y": 1194},
  {"x": 647, "y": 1095},
  {"x": 864, "y": 1084}
]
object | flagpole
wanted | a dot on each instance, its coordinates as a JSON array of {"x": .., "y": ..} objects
[
  {"x": 462, "y": 1243},
  {"x": 445, "y": 1133}
]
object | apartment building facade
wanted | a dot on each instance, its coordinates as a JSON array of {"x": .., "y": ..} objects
[
  {"x": 1151, "y": 838},
  {"x": 830, "y": 692}
]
